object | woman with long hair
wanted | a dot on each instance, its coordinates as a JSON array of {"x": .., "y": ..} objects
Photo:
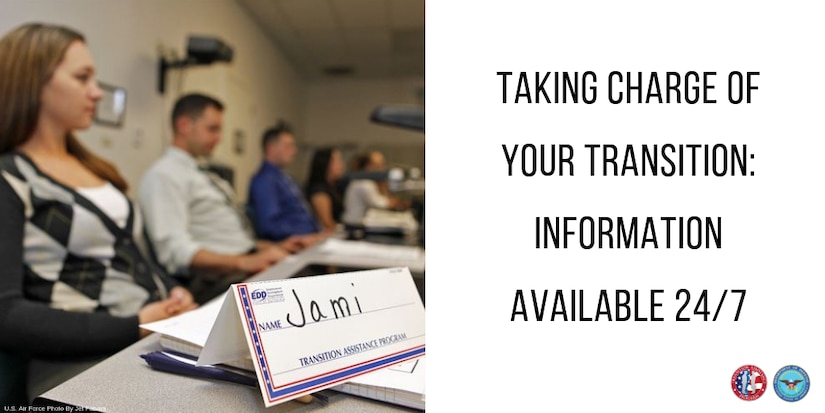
[
  {"x": 77, "y": 278},
  {"x": 326, "y": 168}
]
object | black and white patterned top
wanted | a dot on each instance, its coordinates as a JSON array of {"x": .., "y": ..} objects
[{"x": 71, "y": 280}]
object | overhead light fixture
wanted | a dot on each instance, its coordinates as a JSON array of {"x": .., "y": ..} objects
[{"x": 409, "y": 117}]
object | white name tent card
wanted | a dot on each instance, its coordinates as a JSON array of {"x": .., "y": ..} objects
[{"x": 307, "y": 334}]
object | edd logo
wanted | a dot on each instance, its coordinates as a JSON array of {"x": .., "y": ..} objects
[{"x": 266, "y": 295}]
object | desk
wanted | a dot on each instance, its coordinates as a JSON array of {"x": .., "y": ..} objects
[{"x": 125, "y": 383}]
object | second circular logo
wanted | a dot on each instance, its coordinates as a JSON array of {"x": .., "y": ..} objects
[{"x": 791, "y": 383}]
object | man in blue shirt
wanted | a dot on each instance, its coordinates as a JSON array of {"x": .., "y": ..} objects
[{"x": 277, "y": 204}]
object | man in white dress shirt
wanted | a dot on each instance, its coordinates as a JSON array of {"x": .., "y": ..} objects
[{"x": 192, "y": 219}]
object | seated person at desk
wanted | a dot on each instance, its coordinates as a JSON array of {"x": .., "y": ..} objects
[
  {"x": 326, "y": 168},
  {"x": 277, "y": 204},
  {"x": 77, "y": 279},
  {"x": 363, "y": 194},
  {"x": 191, "y": 217}
]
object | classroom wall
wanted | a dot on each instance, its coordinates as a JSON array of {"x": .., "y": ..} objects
[
  {"x": 338, "y": 110},
  {"x": 126, "y": 36}
]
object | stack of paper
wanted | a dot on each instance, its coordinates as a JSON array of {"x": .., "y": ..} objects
[
  {"x": 187, "y": 332},
  {"x": 370, "y": 250},
  {"x": 402, "y": 384},
  {"x": 382, "y": 218}
]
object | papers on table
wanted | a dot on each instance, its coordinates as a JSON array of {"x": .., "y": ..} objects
[
  {"x": 346, "y": 248},
  {"x": 402, "y": 384},
  {"x": 382, "y": 218},
  {"x": 192, "y": 327}
]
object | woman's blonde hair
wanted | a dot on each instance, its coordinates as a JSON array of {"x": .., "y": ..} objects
[{"x": 29, "y": 56}]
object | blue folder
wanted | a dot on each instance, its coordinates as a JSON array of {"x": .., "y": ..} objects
[{"x": 179, "y": 363}]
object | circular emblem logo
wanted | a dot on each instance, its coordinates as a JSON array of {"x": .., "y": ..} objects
[
  {"x": 748, "y": 382},
  {"x": 791, "y": 383}
]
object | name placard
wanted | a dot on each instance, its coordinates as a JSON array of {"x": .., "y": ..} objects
[{"x": 307, "y": 334}]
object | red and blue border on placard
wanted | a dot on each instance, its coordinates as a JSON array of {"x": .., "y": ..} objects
[{"x": 276, "y": 393}]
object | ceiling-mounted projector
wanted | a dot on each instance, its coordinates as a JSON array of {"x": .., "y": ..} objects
[
  {"x": 206, "y": 50},
  {"x": 200, "y": 50}
]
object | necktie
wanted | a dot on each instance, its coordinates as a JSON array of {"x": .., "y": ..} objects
[{"x": 229, "y": 195}]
